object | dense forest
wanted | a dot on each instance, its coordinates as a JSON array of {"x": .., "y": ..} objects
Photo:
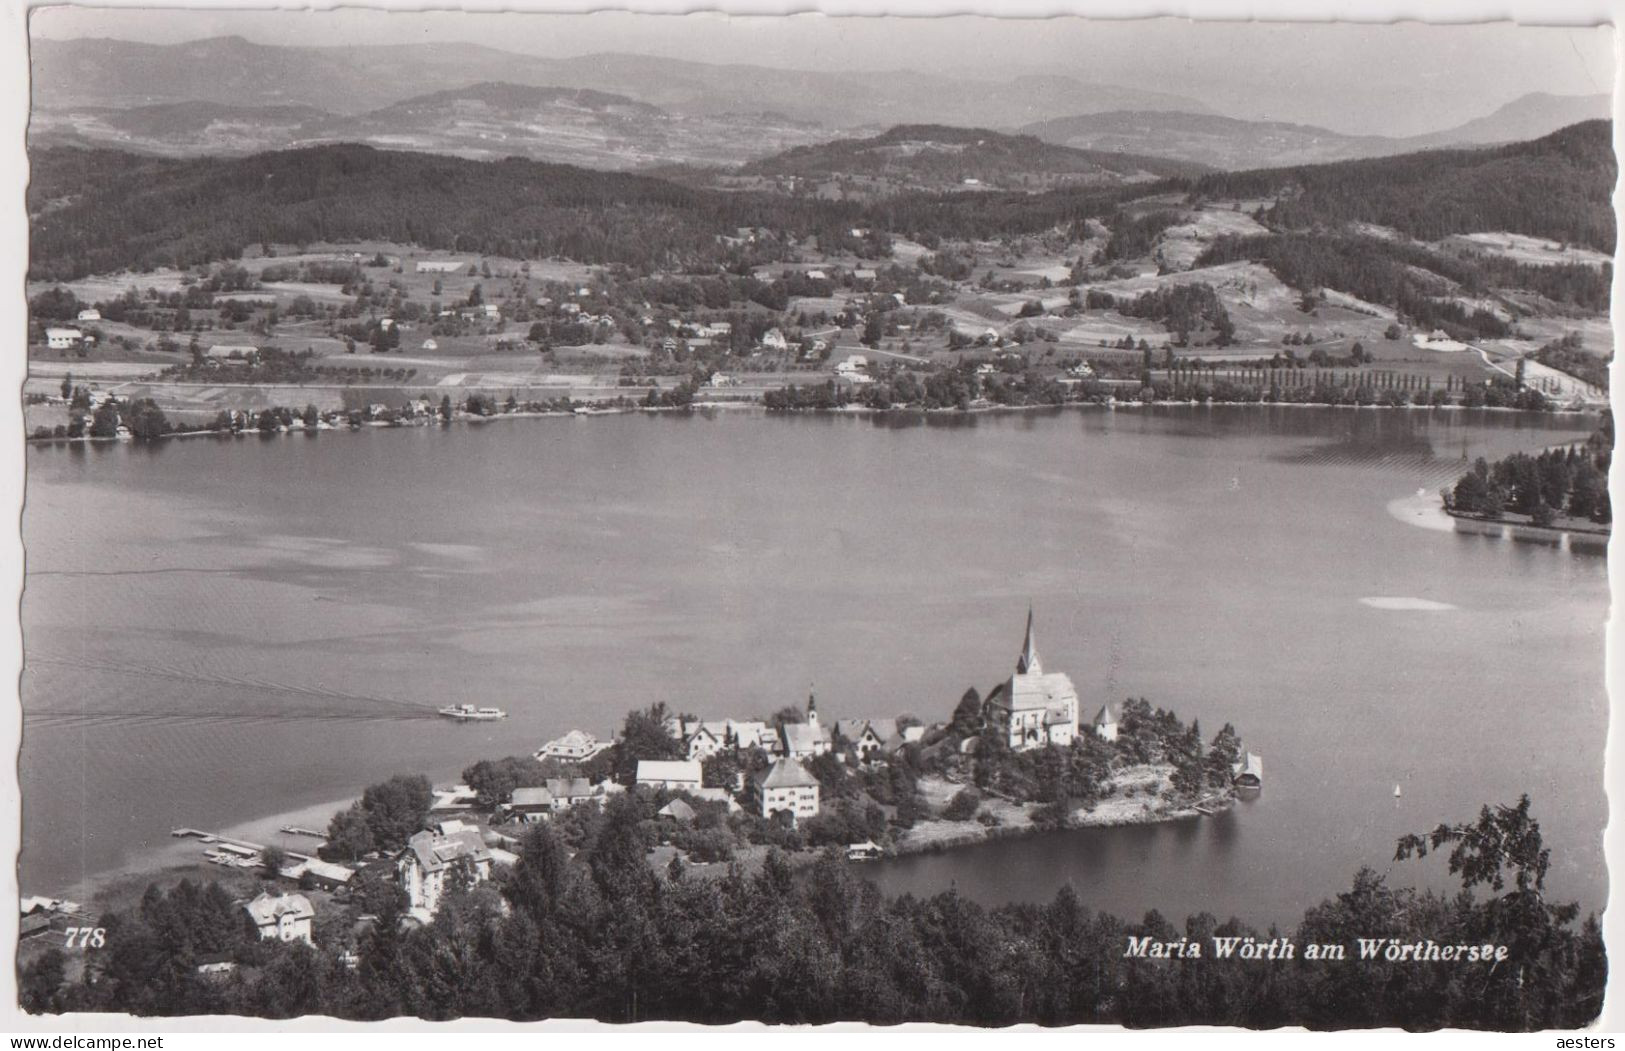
[
  {"x": 948, "y": 154},
  {"x": 95, "y": 211},
  {"x": 605, "y": 935},
  {"x": 1559, "y": 187}
]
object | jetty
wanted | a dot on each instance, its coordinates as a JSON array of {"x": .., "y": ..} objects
[{"x": 295, "y": 830}]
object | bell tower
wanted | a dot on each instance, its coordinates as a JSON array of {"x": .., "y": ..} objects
[{"x": 1027, "y": 663}]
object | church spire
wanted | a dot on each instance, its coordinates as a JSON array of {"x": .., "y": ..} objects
[
  {"x": 812, "y": 707},
  {"x": 1027, "y": 663}
]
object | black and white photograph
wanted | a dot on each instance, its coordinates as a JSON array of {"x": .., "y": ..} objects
[{"x": 988, "y": 521}]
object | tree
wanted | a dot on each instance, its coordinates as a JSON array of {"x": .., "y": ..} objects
[
  {"x": 645, "y": 736},
  {"x": 396, "y": 809},
  {"x": 967, "y": 718},
  {"x": 273, "y": 858},
  {"x": 349, "y": 836},
  {"x": 67, "y": 385}
]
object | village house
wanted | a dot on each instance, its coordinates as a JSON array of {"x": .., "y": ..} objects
[
  {"x": 677, "y": 810},
  {"x": 577, "y": 746},
  {"x": 1105, "y": 723},
  {"x": 569, "y": 792},
  {"x": 430, "y": 857},
  {"x": 788, "y": 786},
  {"x": 531, "y": 804},
  {"x": 1032, "y": 708},
  {"x": 675, "y": 774},
  {"x": 62, "y": 338},
  {"x": 774, "y": 340},
  {"x": 807, "y": 739},
  {"x": 90, "y": 314},
  {"x": 324, "y": 875},
  {"x": 283, "y": 917},
  {"x": 865, "y": 738},
  {"x": 441, "y": 266},
  {"x": 232, "y": 351}
]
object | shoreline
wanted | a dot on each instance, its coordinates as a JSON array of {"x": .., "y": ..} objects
[
  {"x": 700, "y": 408},
  {"x": 182, "y": 857}
]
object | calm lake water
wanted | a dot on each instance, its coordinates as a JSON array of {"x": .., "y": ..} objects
[{"x": 221, "y": 631}]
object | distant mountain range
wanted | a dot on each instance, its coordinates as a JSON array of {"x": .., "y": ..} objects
[
  {"x": 1224, "y": 142},
  {"x": 228, "y": 96},
  {"x": 71, "y": 74},
  {"x": 568, "y": 125}
]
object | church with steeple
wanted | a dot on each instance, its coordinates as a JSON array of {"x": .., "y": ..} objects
[{"x": 1034, "y": 708}]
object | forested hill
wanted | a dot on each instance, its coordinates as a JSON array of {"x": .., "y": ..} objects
[
  {"x": 100, "y": 210},
  {"x": 947, "y": 154},
  {"x": 1557, "y": 187},
  {"x": 95, "y": 211}
]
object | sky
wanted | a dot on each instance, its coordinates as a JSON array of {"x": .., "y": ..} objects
[{"x": 1394, "y": 79}]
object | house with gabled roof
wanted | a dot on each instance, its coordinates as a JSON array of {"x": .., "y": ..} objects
[
  {"x": 429, "y": 860},
  {"x": 281, "y": 917},
  {"x": 570, "y": 791},
  {"x": 790, "y": 787},
  {"x": 531, "y": 804},
  {"x": 676, "y": 774}
]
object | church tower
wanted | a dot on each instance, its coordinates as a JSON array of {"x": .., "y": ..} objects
[
  {"x": 812, "y": 710},
  {"x": 1027, "y": 663}
]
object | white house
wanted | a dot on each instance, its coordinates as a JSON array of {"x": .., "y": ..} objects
[
  {"x": 774, "y": 340},
  {"x": 233, "y": 350},
  {"x": 577, "y": 746},
  {"x": 570, "y": 791},
  {"x": 706, "y": 739},
  {"x": 866, "y": 738},
  {"x": 283, "y": 917},
  {"x": 62, "y": 338},
  {"x": 429, "y": 858},
  {"x": 90, "y": 314},
  {"x": 788, "y": 786},
  {"x": 1034, "y": 709},
  {"x": 677, "y": 774},
  {"x": 531, "y": 804},
  {"x": 441, "y": 266}
]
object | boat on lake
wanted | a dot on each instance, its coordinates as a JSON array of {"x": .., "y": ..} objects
[{"x": 469, "y": 713}]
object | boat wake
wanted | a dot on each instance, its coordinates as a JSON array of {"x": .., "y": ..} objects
[{"x": 356, "y": 707}]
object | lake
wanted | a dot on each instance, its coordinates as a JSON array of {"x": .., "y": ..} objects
[{"x": 217, "y": 631}]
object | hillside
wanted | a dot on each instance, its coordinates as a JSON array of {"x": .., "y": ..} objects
[
  {"x": 95, "y": 211},
  {"x": 1530, "y": 117},
  {"x": 175, "y": 127},
  {"x": 935, "y": 157},
  {"x": 564, "y": 125},
  {"x": 1235, "y": 145},
  {"x": 1556, "y": 187},
  {"x": 1218, "y": 142}
]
